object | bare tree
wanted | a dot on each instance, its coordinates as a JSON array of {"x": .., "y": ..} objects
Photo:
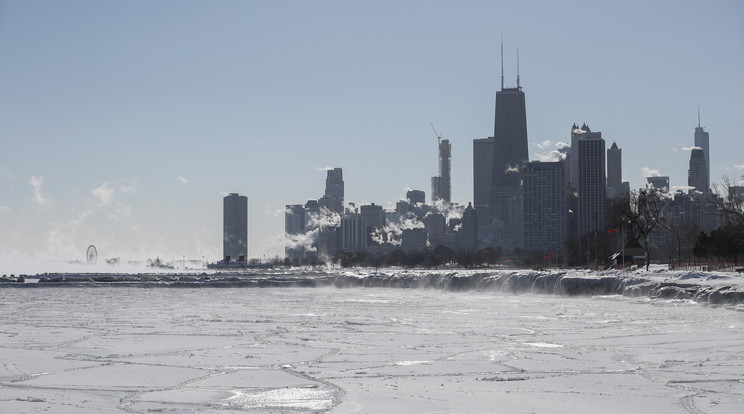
[
  {"x": 729, "y": 201},
  {"x": 640, "y": 213}
]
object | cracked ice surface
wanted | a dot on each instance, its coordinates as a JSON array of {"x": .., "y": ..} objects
[{"x": 365, "y": 350}]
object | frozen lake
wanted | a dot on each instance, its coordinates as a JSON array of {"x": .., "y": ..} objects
[{"x": 77, "y": 349}]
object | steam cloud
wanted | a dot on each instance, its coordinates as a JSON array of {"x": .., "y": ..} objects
[
  {"x": 552, "y": 156},
  {"x": 510, "y": 169},
  {"x": 650, "y": 172}
]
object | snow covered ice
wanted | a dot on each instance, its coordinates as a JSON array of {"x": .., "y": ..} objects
[{"x": 93, "y": 347}]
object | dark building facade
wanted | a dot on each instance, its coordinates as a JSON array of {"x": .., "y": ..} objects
[
  {"x": 615, "y": 186},
  {"x": 482, "y": 176},
  {"x": 697, "y": 175},
  {"x": 702, "y": 141},
  {"x": 334, "y": 190},
  {"x": 294, "y": 225},
  {"x": 591, "y": 181},
  {"x": 416, "y": 197},
  {"x": 234, "y": 227},
  {"x": 469, "y": 230},
  {"x": 544, "y": 206},
  {"x": 510, "y": 152},
  {"x": 441, "y": 185}
]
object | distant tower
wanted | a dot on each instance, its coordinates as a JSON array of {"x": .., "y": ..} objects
[
  {"x": 469, "y": 229},
  {"x": 702, "y": 140},
  {"x": 659, "y": 183},
  {"x": 374, "y": 218},
  {"x": 235, "y": 227},
  {"x": 482, "y": 176},
  {"x": 591, "y": 181},
  {"x": 334, "y": 190},
  {"x": 415, "y": 197},
  {"x": 697, "y": 175},
  {"x": 544, "y": 206},
  {"x": 441, "y": 184},
  {"x": 354, "y": 234},
  {"x": 510, "y": 152},
  {"x": 294, "y": 225},
  {"x": 614, "y": 172}
]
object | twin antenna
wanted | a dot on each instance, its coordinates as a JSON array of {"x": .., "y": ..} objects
[{"x": 502, "y": 66}]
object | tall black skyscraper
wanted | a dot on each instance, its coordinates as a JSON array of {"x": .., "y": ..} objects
[
  {"x": 702, "y": 140},
  {"x": 544, "y": 206},
  {"x": 235, "y": 227},
  {"x": 510, "y": 152},
  {"x": 614, "y": 172},
  {"x": 482, "y": 176},
  {"x": 334, "y": 190},
  {"x": 441, "y": 184},
  {"x": 697, "y": 175},
  {"x": 591, "y": 181}
]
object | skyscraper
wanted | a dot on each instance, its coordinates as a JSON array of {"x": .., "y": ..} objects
[
  {"x": 469, "y": 230},
  {"x": 294, "y": 225},
  {"x": 482, "y": 176},
  {"x": 659, "y": 183},
  {"x": 334, "y": 190},
  {"x": 544, "y": 205},
  {"x": 614, "y": 172},
  {"x": 441, "y": 184},
  {"x": 354, "y": 234},
  {"x": 416, "y": 197},
  {"x": 510, "y": 152},
  {"x": 591, "y": 181},
  {"x": 235, "y": 227},
  {"x": 697, "y": 175},
  {"x": 702, "y": 140}
]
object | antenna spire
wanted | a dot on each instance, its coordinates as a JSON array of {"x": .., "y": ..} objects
[
  {"x": 518, "y": 87},
  {"x": 502, "y": 62},
  {"x": 698, "y": 116}
]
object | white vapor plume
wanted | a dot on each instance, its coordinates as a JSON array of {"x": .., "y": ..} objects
[
  {"x": 690, "y": 148},
  {"x": 450, "y": 211},
  {"x": 650, "y": 172},
  {"x": 36, "y": 182},
  {"x": 326, "y": 168},
  {"x": 683, "y": 188},
  {"x": 739, "y": 166},
  {"x": 184, "y": 182},
  {"x": 561, "y": 144},
  {"x": 551, "y": 156},
  {"x": 325, "y": 218},
  {"x": 510, "y": 169},
  {"x": 545, "y": 144},
  {"x": 392, "y": 233},
  {"x": 4, "y": 209},
  {"x": 305, "y": 240}
]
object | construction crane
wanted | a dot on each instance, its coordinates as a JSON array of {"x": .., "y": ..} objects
[{"x": 439, "y": 136}]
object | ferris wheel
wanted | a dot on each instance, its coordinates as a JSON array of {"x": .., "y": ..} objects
[{"x": 91, "y": 254}]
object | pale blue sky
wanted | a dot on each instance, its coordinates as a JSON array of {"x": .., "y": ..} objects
[{"x": 123, "y": 123}]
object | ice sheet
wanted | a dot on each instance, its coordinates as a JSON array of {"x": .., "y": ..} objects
[{"x": 134, "y": 349}]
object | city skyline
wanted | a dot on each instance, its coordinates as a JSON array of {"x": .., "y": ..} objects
[{"x": 125, "y": 130}]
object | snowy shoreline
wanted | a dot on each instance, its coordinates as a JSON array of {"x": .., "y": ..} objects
[{"x": 702, "y": 287}]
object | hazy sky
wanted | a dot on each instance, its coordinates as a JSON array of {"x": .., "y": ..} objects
[{"x": 124, "y": 123}]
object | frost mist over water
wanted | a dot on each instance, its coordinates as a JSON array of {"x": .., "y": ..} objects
[{"x": 85, "y": 349}]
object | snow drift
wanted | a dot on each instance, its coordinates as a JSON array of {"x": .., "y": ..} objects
[{"x": 714, "y": 288}]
